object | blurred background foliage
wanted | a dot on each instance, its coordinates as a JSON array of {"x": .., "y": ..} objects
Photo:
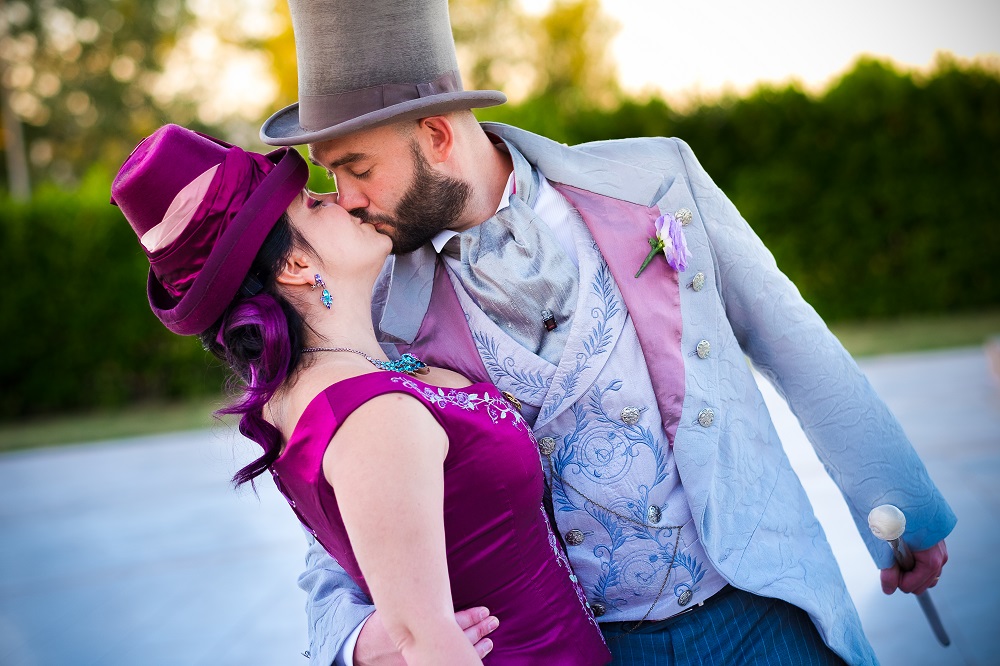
[{"x": 878, "y": 195}]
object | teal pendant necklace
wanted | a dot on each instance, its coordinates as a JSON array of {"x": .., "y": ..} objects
[{"x": 407, "y": 363}]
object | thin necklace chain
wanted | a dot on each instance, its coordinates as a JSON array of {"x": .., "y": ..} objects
[{"x": 407, "y": 363}]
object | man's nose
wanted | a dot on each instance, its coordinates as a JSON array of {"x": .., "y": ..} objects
[
  {"x": 326, "y": 198},
  {"x": 350, "y": 198}
]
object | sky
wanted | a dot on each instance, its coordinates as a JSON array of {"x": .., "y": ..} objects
[
  {"x": 706, "y": 46},
  {"x": 686, "y": 52}
]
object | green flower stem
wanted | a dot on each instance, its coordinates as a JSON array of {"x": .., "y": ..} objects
[{"x": 657, "y": 246}]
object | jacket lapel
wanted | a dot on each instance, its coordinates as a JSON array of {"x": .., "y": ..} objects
[
  {"x": 443, "y": 338},
  {"x": 621, "y": 230}
]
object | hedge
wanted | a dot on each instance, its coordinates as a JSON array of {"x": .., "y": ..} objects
[
  {"x": 879, "y": 198},
  {"x": 74, "y": 321}
]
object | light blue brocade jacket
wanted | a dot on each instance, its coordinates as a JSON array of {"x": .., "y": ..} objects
[{"x": 752, "y": 513}]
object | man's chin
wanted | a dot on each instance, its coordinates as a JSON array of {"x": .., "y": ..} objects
[{"x": 403, "y": 250}]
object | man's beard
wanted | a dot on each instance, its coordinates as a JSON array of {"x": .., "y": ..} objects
[{"x": 431, "y": 204}]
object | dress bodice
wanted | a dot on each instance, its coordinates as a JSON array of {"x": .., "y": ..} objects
[{"x": 501, "y": 551}]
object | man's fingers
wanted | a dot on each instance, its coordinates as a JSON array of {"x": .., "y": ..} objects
[
  {"x": 927, "y": 569},
  {"x": 927, "y": 566},
  {"x": 477, "y": 623},
  {"x": 916, "y": 582},
  {"x": 471, "y": 616},
  {"x": 480, "y": 630},
  {"x": 890, "y": 579},
  {"x": 483, "y": 647}
]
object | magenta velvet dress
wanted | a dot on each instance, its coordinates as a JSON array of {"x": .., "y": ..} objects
[{"x": 501, "y": 551}]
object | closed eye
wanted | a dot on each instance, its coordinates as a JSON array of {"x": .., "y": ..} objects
[{"x": 363, "y": 175}]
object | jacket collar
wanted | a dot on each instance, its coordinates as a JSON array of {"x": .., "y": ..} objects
[{"x": 412, "y": 275}]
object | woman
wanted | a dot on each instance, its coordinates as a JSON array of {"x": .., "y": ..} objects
[{"x": 425, "y": 488}]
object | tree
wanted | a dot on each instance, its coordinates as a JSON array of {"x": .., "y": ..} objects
[
  {"x": 572, "y": 60},
  {"x": 76, "y": 75},
  {"x": 494, "y": 45}
]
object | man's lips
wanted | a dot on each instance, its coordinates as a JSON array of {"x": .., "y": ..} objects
[{"x": 379, "y": 225}]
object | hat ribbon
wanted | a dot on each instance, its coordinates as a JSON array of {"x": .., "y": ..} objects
[{"x": 321, "y": 111}]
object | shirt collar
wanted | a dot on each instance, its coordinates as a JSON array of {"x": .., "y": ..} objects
[
  {"x": 442, "y": 238},
  {"x": 412, "y": 279}
]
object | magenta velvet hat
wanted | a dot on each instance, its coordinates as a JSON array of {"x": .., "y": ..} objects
[{"x": 201, "y": 209}]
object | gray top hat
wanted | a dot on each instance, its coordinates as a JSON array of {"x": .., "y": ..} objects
[{"x": 363, "y": 63}]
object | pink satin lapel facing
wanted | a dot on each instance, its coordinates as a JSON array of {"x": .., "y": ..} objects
[
  {"x": 444, "y": 338},
  {"x": 622, "y": 230}
]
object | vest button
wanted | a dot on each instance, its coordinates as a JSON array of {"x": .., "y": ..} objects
[
  {"x": 685, "y": 598},
  {"x": 703, "y": 349},
  {"x": 546, "y": 445},
  {"x": 630, "y": 415},
  {"x": 698, "y": 281},
  {"x": 653, "y": 514},
  {"x": 574, "y": 537},
  {"x": 706, "y": 417},
  {"x": 598, "y": 609}
]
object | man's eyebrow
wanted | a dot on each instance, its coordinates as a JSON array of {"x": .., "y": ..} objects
[{"x": 346, "y": 159}]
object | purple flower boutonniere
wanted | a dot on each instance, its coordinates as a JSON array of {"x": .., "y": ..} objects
[{"x": 669, "y": 240}]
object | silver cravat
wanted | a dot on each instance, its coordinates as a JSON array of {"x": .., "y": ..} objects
[{"x": 514, "y": 269}]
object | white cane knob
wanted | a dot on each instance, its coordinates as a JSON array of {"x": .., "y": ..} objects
[{"x": 887, "y": 522}]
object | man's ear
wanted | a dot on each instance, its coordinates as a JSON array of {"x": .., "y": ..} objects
[
  {"x": 437, "y": 137},
  {"x": 298, "y": 269}
]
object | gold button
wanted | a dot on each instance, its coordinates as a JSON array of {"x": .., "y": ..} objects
[
  {"x": 574, "y": 537},
  {"x": 703, "y": 349},
  {"x": 706, "y": 417},
  {"x": 546, "y": 445},
  {"x": 630, "y": 415}
]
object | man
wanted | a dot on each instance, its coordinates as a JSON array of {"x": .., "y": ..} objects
[{"x": 519, "y": 262}]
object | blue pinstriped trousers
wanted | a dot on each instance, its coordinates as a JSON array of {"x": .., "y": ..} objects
[{"x": 733, "y": 628}]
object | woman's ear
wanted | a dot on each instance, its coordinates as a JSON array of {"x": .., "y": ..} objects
[{"x": 298, "y": 269}]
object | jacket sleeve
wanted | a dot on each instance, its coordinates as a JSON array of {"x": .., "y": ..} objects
[
  {"x": 335, "y": 605},
  {"x": 859, "y": 441}
]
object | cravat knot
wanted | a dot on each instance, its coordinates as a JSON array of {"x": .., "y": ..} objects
[{"x": 514, "y": 269}]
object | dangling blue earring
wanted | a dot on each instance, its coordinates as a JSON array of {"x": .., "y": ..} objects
[{"x": 326, "y": 296}]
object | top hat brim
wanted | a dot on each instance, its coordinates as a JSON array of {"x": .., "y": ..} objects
[{"x": 285, "y": 129}]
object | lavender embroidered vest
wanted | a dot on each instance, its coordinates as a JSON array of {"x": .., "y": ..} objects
[{"x": 616, "y": 494}]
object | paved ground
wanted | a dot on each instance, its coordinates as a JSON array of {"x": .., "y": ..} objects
[{"x": 137, "y": 552}]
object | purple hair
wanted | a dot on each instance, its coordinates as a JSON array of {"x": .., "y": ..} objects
[
  {"x": 259, "y": 322},
  {"x": 260, "y": 338}
]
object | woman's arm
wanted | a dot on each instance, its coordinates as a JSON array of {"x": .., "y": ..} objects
[{"x": 386, "y": 466}]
